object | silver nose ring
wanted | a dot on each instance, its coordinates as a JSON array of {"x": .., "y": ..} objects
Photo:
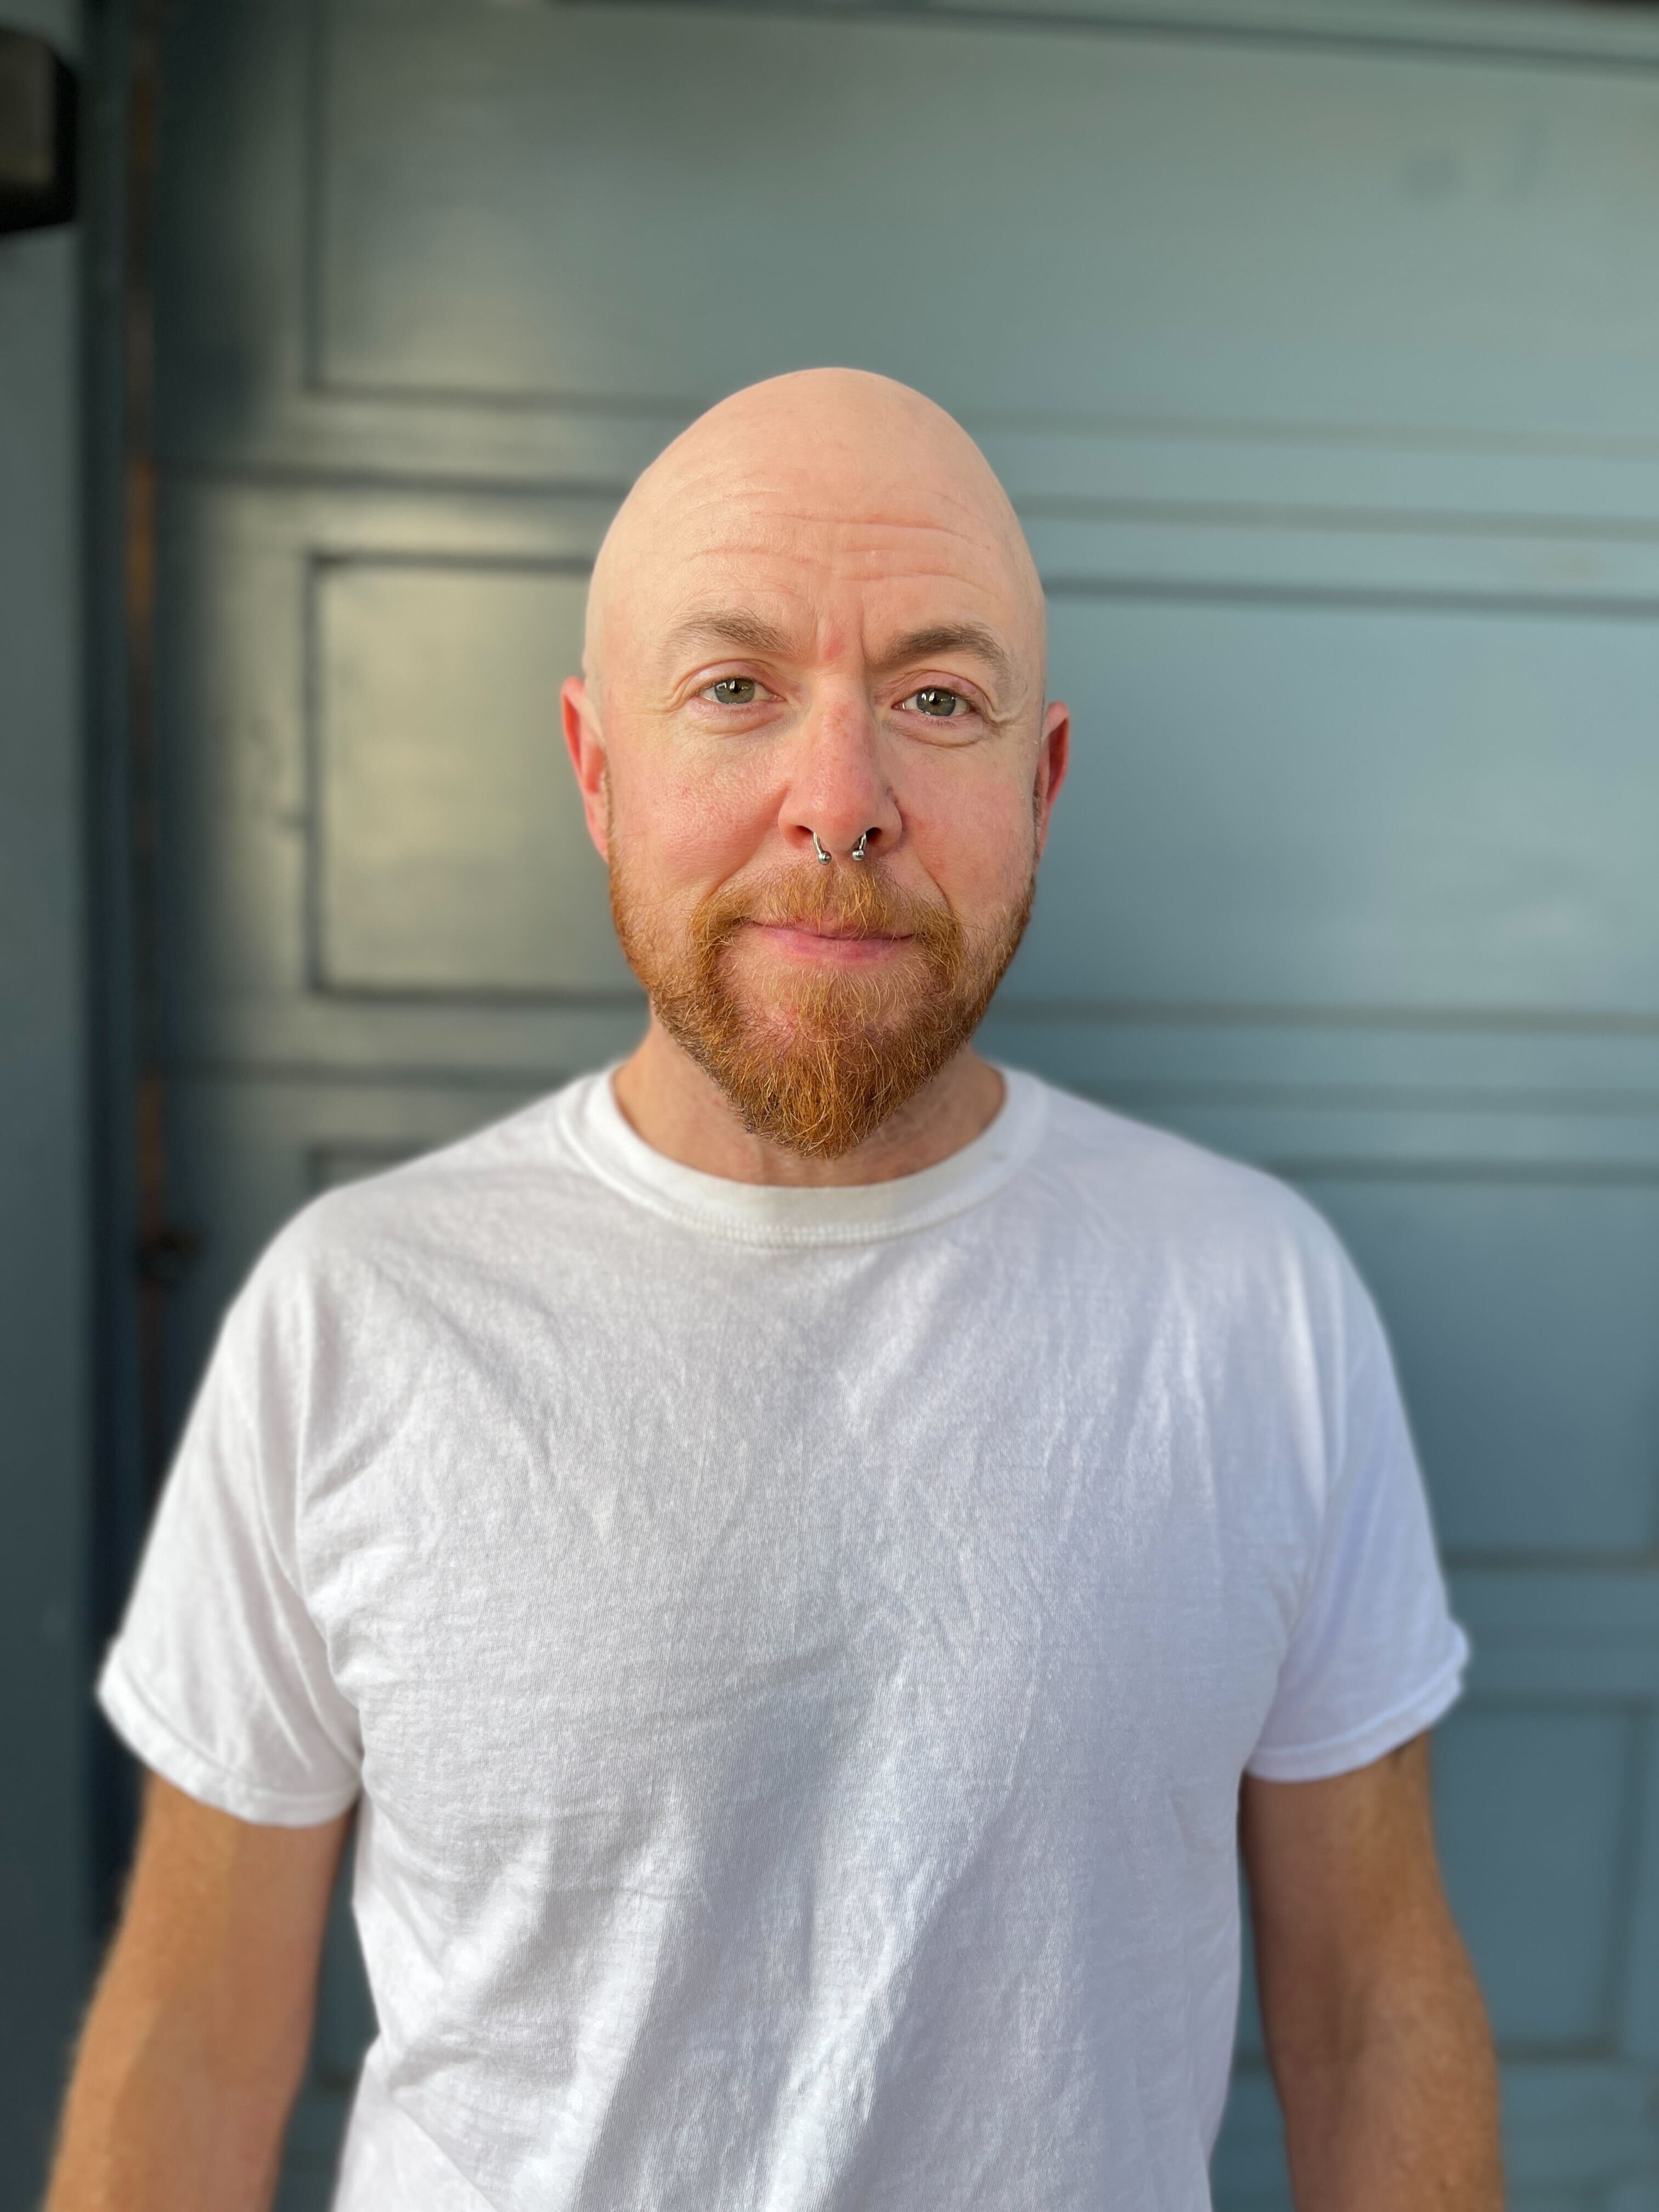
[{"x": 857, "y": 853}]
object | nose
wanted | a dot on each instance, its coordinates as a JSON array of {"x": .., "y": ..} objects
[{"x": 839, "y": 804}]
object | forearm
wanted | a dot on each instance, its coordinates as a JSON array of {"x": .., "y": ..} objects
[
  {"x": 160, "y": 2118},
  {"x": 1399, "y": 2113},
  {"x": 197, "y": 2038}
]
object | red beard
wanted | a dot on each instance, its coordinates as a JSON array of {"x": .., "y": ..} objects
[{"x": 819, "y": 1061}]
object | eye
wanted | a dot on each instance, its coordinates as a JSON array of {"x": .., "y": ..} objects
[
  {"x": 934, "y": 700},
  {"x": 733, "y": 691}
]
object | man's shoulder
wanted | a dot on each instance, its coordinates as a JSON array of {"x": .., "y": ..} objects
[
  {"x": 468, "y": 1195},
  {"x": 1106, "y": 1166}
]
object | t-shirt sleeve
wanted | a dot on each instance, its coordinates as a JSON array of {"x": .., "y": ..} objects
[
  {"x": 1376, "y": 1656},
  {"x": 219, "y": 1679}
]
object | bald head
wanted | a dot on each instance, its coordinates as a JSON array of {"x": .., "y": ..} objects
[{"x": 835, "y": 467}]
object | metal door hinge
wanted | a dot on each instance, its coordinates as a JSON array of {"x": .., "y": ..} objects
[
  {"x": 37, "y": 134},
  {"x": 165, "y": 1254}
]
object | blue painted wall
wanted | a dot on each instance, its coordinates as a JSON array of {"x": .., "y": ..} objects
[{"x": 44, "y": 1363}]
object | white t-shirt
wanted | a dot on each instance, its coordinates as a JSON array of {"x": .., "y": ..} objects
[{"x": 797, "y": 1649}]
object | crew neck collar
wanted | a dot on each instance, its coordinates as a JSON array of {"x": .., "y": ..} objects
[{"x": 768, "y": 1213}]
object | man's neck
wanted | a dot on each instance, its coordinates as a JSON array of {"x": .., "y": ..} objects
[{"x": 681, "y": 1112}]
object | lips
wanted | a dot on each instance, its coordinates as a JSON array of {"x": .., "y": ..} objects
[
  {"x": 820, "y": 943},
  {"x": 839, "y": 936}
]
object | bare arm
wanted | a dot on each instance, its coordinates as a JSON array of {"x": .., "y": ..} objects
[
  {"x": 1376, "y": 2033},
  {"x": 197, "y": 2034}
]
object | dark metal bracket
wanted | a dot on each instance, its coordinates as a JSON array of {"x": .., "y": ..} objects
[{"x": 37, "y": 134}]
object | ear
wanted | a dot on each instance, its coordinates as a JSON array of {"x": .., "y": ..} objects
[
  {"x": 586, "y": 743},
  {"x": 1054, "y": 758}
]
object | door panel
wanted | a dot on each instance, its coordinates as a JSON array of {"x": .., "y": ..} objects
[
  {"x": 451, "y": 851},
  {"x": 1535, "y": 1807},
  {"x": 1320, "y": 351},
  {"x": 1355, "y": 807},
  {"x": 1090, "y": 224},
  {"x": 1532, "y": 1376}
]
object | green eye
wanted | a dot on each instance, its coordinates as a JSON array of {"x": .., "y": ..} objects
[
  {"x": 734, "y": 691},
  {"x": 941, "y": 704}
]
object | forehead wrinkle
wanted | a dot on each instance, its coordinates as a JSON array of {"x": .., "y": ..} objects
[
  {"x": 760, "y": 515},
  {"x": 794, "y": 496},
  {"x": 989, "y": 578},
  {"x": 769, "y": 537},
  {"x": 795, "y": 561}
]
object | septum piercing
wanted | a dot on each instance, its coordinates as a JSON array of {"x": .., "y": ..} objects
[{"x": 857, "y": 853}]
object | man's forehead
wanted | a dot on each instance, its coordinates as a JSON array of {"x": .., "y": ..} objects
[
  {"x": 843, "y": 486},
  {"x": 845, "y": 527},
  {"x": 794, "y": 573},
  {"x": 827, "y": 499}
]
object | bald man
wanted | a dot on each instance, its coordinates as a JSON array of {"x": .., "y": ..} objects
[{"x": 805, "y": 1551}]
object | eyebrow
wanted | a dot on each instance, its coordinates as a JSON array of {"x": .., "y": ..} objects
[
  {"x": 750, "y": 634},
  {"x": 949, "y": 637},
  {"x": 728, "y": 626}
]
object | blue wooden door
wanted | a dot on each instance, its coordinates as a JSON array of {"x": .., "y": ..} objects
[{"x": 1317, "y": 342}]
